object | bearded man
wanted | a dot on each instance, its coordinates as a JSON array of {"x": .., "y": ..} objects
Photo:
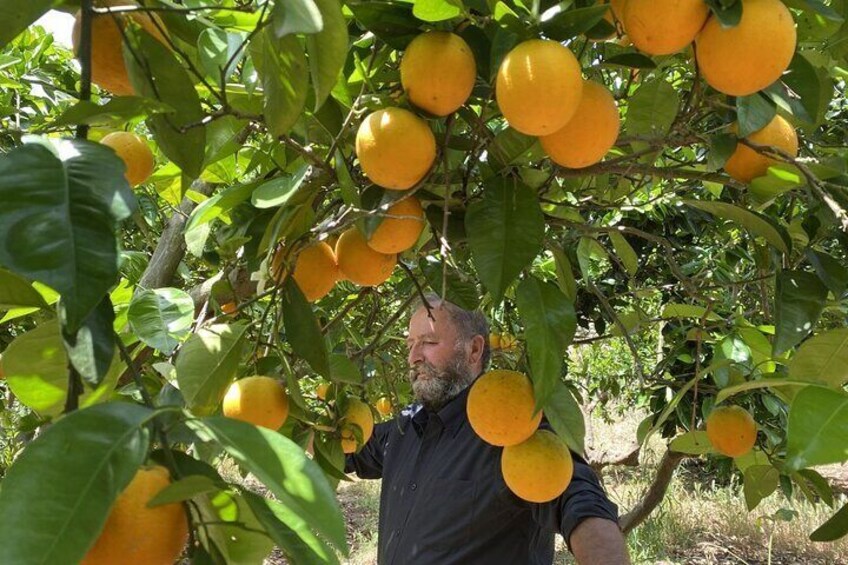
[{"x": 443, "y": 498}]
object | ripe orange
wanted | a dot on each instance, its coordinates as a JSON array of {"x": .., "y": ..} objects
[
  {"x": 258, "y": 400},
  {"x": 745, "y": 59},
  {"x": 500, "y": 407},
  {"x": 494, "y": 341},
  {"x": 134, "y": 152},
  {"x": 384, "y": 406},
  {"x": 321, "y": 390},
  {"x": 359, "y": 263},
  {"x": 538, "y": 469},
  {"x": 395, "y": 148},
  {"x": 539, "y": 86},
  {"x": 590, "y": 134},
  {"x": 746, "y": 164},
  {"x": 437, "y": 71},
  {"x": 401, "y": 227},
  {"x": 731, "y": 430},
  {"x": 107, "y": 58},
  {"x": 135, "y": 533},
  {"x": 358, "y": 413},
  {"x": 229, "y": 308},
  {"x": 618, "y": 8},
  {"x": 662, "y": 27},
  {"x": 315, "y": 270}
]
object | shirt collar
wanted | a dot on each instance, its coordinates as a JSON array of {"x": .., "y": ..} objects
[{"x": 452, "y": 414}]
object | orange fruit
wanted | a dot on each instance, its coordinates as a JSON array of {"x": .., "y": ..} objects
[
  {"x": 590, "y": 134},
  {"x": 359, "y": 263},
  {"x": 357, "y": 414},
  {"x": 663, "y": 27},
  {"x": 401, "y": 227},
  {"x": 617, "y": 7},
  {"x": 507, "y": 341},
  {"x": 745, "y": 59},
  {"x": 731, "y": 430},
  {"x": 500, "y": 408},
  {"x": 384, "y": 406},
  {"x": 538, "y": 469},
  {"x": 229, "y": 308},
  {"x": 396, "y": 148},
  {"x": 746, "y": 164},
  {"x": 539, "y": 86},
  {"x": 134, "y": 152},
  {"x": 315, "y": 269},
  {"x": 494, "y": 341},
  {"x": 258, "y": 400},
  {"x": 437, "y": 72},
  {"x": 108, "y": 70},
  {"x": 135, "y": 533},
  {"x": 321, "y": 390}
]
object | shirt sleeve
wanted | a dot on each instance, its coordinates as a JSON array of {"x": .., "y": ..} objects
[
  {"x": 584, "y": 498},
  {"x": 367, "y": 463}
]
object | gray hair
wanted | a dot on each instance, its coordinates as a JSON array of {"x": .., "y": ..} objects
[{"x": 468, "y": 323}]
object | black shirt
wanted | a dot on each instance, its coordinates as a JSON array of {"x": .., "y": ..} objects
[{"x": 444, "y": 500}]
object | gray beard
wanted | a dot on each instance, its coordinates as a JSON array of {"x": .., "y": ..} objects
[{"x": 434, "y": 388}]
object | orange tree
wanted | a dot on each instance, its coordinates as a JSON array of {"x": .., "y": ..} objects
[{"x": 668, "y": 179}]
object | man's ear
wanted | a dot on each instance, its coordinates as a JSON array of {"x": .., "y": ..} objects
[{"x": 478, "y": 342}]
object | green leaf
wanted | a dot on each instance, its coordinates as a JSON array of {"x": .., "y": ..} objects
[
  {"x": 759, "y": 481},
  {"x": 561, "y": 25},
  {"x": 625, "y": 253},
  {"x": 565, "y": 417},
  {"x": 174, "y": 87},
  {"x": 727, "y": 392},
  {"x": 691, "y": 443},
  {"x": 835, "y": 528},
  {"x": 830, "y": 271},
  {"x": 282, "y": 466},
  {"x": 508, "y": 147},
  {"x": 161, "y": 318},
  {"x": 652, "y": 109},
  {"x": 565, "y": 275},
  {"x": 748, "y": 220},
  {"x": 184, "y": 489},
  {"x": 671, "y": 311},
  {"x": 819, "y": 483},
  {"x": 817, "y": 428},
  {"x": 722, "y": 146},
  {"x": 296, "y": 16},
  {"x": 549, "y": 325},
  {"x": 278, "y": 191},
  {"x": 505, "y": 231},
  {"x": 207, "y": 363},
  {"x": 290, "y": 532},
  {"x": 670, "y": 407},
  {"x": 302, "y": 329},
  {"x": 232, "y": 530},
  {"x": 436, "y": 10},
  {"x": 91, "y": 348},
  {"x": 327, "y": 50},
  {"x": 115, "y": 113},
  {"x": 344, "y": 370},
  {"x": 630, "y": 60},
  {"x": 461, "y": 289},
  {"x": 17, "y": 292},
  {"x": 281, "y": 64},
  {"x": 15, "y": 17},
  {"x": 729, "y": 13},
  {"x": 753, "y": 113},
  {"x": 393, "y": 22},
  {"x": 218, "y": 205},
  {"x": 813, "y": 86},
  {"x": 60, "y": 509},
  {"x": 216, "y": 48},
  {"x": 799, "y": 301},
  {"x": 66, "y": 209},
  {"x": 822, "y": 359}
]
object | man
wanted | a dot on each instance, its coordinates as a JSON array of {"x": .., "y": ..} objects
[{"x": 444, "y": 500}]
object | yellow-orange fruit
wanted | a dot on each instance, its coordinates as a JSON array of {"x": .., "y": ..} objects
[
  {"x": 401, "y": 227},
  {"x": 258, "y": 400},
  {"x": 383, "y": 406},
  {"x": 746, "y": 164},
  {"x": 494, "y": 341},
  {"x": 107, "y": 58},
  {"x": 507, "y": 341},
  {"x": 500, "y": 408},
  {"x": 359, "y": 263},
  {"x": 437, "y": 72},
  {"x": 590, "y": 134},
  {"x": 617, "y": 7},
  {"x": 321, "y": 390},
  {"x": 539, "y": 86},
  {"x": 662, "y": 27},
  {"x": 135, "y": 533},
  {"x": 134, "y": 152},
  {"x": 745, "y": 59},
  {"x": 731, "y": 430},
  {"x": 358, "y": 413},
  {"x": 538, "y": 469},
  {"x": 315, "y": 270},
  {"x": 395, "y": 148},
  {"x": 229, "y": 308}
]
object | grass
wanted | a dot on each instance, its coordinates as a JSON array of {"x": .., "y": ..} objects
[{"x": 696, "y": 523}]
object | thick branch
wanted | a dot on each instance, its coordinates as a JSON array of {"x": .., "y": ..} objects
[{"x": 655, "y": 493}]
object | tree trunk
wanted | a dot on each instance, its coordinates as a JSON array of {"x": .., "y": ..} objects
[{"x": 655, "y": 493}]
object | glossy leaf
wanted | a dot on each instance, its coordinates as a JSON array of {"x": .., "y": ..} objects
[
  {"x": 565, "y": 417},
  {"x": 161, "y": 318},
  {"x": 17, "y": 292},
  {"x": 232, "y": 529},
  {"x": 822, "y": 359},
  {"x": 831, "y": 272},
  {"x": 753, "y": 113},
  {"x": 652, "y": 109},
  {"x": 184, "y": 489},
  {"x": 625, "y": 253},
  {"x": 691, "y": 443},
  {"x": 327, "y": 50},
  {"x": 759, "y": 481},
  {"x": 835, "y": 528},
  {"x": 302, "y": 329},
  {"x": 817, "y": 428},
  {"x": 799, "y": 301},
  {"x": 296, "y": 16},
  {"x": 461, "y": 289},
  {"x": 565, "y": 24},
  {"x": 116, "y": 112},
  {"x": 281, "y": 64},
  {"x": 748, "y": 220},
  {"x": 91, "y": 348},
  {"x": 15, "y": 17}
]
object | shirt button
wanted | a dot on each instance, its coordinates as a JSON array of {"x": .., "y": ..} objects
[{"x": 413, "y": 486}]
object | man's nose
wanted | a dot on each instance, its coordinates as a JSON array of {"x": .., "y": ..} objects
[{"x": 415, "y": 355}]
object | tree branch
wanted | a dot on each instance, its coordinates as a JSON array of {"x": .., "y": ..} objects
[{"x": 655, "y": 493}]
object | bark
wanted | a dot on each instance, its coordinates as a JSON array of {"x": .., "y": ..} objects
[
  {"x": 629, "y": 458},
  {"x": 655, "y": 493}
]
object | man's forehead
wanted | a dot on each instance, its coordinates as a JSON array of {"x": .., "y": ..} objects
[{"x": 421, "y": 323}]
